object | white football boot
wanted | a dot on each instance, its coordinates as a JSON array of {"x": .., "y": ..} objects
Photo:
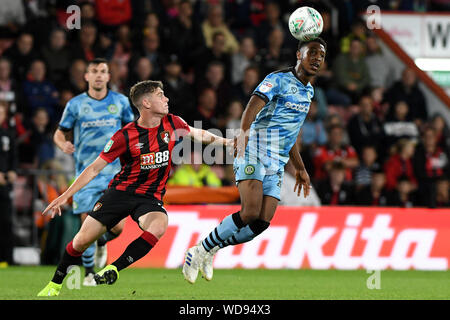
[
  {"x": 206, "y": 268},
  {"x": 192, "y": 262},
  {"x": 89, "y": 280},
  {"x": 101, "y": 255}
]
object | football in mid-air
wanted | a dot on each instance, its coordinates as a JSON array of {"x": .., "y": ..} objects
[{"x": 305, "y": 23}]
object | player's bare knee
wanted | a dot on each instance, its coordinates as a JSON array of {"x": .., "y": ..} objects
[
  {"x": 157, "y": 229},
  {"x": 81, "y": 242},
  {"x": 249, "y": 214}
]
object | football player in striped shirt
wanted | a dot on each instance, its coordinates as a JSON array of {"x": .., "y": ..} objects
[
  {"x": 270, "y": 128},
  {"x": 90, "y": 119},
  {"x": 144, "y": 148}
]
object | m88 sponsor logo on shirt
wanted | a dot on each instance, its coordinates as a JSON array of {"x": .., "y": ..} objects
[{"x": 154, "y": 160}]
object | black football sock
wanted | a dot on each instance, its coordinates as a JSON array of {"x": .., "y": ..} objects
[
  {"x": 70, "y": 257},
  {"x": 107, "y": 236},
  {"x": 136, "y": 250}
]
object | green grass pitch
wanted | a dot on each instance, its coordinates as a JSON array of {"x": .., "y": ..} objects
[{"x": 237, "y": 284}]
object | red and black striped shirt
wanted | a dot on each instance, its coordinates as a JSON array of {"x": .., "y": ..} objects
[{"x": 145, "y": 156}]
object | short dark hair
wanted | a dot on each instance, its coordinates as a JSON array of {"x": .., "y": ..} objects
[
  {"x": 142, "y": 88},
  {"x": 95, "y": 62},
  {"x": 301, "y": 44}
]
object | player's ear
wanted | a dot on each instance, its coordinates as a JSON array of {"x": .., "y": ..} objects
[{"x": 299, "y": 55}]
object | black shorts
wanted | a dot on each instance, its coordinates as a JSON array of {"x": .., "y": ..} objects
[{"x": 115, "y": 205}]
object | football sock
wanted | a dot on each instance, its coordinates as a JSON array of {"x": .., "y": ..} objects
[
  {"x": 70, "y": 257},
  {"x": 247, "y": 233},
  {"x": 107, "y": 236},
  {"x": 88, "y": 258},
  {"x": 136, "y": 250},
  {"x": 224, "y": 230}
]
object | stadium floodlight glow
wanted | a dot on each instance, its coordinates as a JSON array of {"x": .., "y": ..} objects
[{"x": 429, "y": 64}]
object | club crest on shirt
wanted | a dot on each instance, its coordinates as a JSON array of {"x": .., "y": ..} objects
[
  {"x": 165, "y": 136},
  {"x": 97, "y": 206},
  {"x": 112, "y": 108}
]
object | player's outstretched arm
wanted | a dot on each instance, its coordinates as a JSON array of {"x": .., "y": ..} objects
[
  {"x": 83, "y": 179},
  {"x": 206, "y": 137},
  {"x": 63, "y": 140},
  {"x": 301, "y": 176}
]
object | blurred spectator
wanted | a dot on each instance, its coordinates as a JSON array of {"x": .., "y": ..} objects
[
  {"x": 241, "y": 60},
  {"x": 214, "y": 23},
  {"x": 334, "y": 190},
  {"x": 12, "y": 18},
  {"x": 40, "y": 147},
  {"x": 272, "y": 21},
  {"x": 379, "y": 108},
  {"x": 335, "y": 119},
  {"x": 313, "y": 135},
  {"x": 400, "y": 164},
  {"x": 364, "y": 127},
  {"x": 329, "y": 37},
  {"x": 50, "y": 186},
  {"x": 117, "y": 78},
  {"x": 430, "y": 164},
  {"x": 214, "y": 54},
  {"x": 86, "y": 47},
  {"x": 143, "y": 70},
  {"x": 374, "y": 194},
  {"x": 442, "y": 193},
  {"x": 313, "y": 129},
  {"x": 113, "y": 12},
  {"x": 381, "y": 73},
  {"x": 442, "y": 131},
  {"x": 194, "y": 174},
  {"x": 151, "y": 24},
  {"x": 321, "y": 99},
  {"x": 87, "y": 11},
  {"x": 179, "y": 92},
  {"x": 21, "y": 54},
  {"x": 206, "y": 108},
  {"x": 234, "y": 115},
  {"x": 398, "y": 126},
  {"x": 8, "y": 85},
  {"x": 8, "y": 164},
  {"x": 407, "y": 89},
  {"x": 350, "y": 71},
  {"x": 403, "y": 195},
  {"x": 40, "y": 92},
  {"x": 215, "y": 79},
  {"x": 123, "y": 49},
  {"x": 56, "y": 56},
  {"x": 150, "y": 48},
  {"x": 275, "y": 56},
  {"x": 77, "y": 84},
  {"x": 358, "y": 31},
  {"x": 185, "y": 36},
  {"x": 64, "y": 96},
  {"x": 244, "y": 89},
  {"x": 334, "y": 150},
  {"x": 368, "y": 164}
]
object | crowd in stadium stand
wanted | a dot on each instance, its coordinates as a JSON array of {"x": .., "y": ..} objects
[{"x": 368, "y": 138}]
